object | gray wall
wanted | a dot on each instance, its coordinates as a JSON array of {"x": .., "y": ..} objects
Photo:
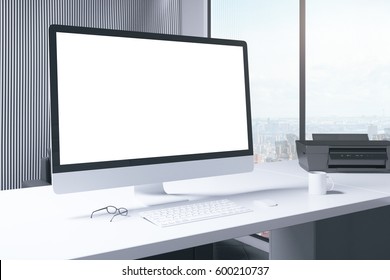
[{"x": 24, "y": 75}]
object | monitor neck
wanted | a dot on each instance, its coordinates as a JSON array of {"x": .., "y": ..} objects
[{"x": 155, "y": 194}]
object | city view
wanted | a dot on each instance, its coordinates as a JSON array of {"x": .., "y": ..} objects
[{"x": 274, "y": 139}]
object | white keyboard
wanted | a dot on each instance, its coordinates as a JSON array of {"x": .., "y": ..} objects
[{"x": 189, "y": 213}]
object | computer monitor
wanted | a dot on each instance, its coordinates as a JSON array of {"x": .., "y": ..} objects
[{"x": 140, "y": 109}]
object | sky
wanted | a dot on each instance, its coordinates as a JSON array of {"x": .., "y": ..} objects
[
  {"x": 347, "y": 57},
  {"x": 271, "y": 30}
]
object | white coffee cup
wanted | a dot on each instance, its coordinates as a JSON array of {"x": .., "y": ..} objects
[{"x": 319, "y": 183}]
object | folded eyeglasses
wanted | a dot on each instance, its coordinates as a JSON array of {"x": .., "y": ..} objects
[{"x": 113, "y": 210}]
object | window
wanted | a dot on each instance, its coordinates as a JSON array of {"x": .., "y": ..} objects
[
  {"x": 348, "y": 67},
  {"x": 271, "y": 29}
]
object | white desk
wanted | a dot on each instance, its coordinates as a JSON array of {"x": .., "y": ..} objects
[{"x": 38, "y": 224}]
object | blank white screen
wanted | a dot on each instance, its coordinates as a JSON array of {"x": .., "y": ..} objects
[{"x": 125, "y": 98}]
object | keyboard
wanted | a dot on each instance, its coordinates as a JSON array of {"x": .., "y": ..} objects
[{"x": 193, "y": 212}]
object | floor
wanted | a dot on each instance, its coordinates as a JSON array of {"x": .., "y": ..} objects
[{"x": 235, "y": 250}]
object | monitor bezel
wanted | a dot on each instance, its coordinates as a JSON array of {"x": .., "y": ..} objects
[{"x": 57, "y": 167}]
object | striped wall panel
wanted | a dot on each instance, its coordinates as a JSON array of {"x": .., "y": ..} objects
[{"x": 24, "y": 77}]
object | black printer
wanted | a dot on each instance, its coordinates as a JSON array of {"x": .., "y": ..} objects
[{"x": 344, "y": 153}]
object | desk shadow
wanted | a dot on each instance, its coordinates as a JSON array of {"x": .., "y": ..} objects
[
  {"x": 100, "y": 217},
  {"x": 84, "y": 217},
  {"x": 335, "y": 192}
]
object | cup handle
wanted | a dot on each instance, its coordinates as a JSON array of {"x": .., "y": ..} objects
[{"x": 330, "y": 180}]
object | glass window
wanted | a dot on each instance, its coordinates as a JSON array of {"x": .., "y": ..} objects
[
  {"x": 348, "y": 67},
  {"x": 271, "y": 29}
]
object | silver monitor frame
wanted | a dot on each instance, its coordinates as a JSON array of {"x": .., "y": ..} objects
[{"x": 102, "y": 175}]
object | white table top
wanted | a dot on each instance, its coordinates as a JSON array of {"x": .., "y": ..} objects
[{"x": 38, "y": 224}]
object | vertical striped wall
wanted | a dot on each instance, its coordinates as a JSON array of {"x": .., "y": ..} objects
[{"x": 24, "y": 75}]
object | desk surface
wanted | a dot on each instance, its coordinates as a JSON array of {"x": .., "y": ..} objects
[{"x": 38, "y": 224}]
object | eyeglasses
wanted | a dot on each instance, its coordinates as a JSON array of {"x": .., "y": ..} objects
[{"x": 113, "y": 210}]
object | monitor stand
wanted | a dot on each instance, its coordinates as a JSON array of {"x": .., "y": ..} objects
[{"x": 154, "y": 194}]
